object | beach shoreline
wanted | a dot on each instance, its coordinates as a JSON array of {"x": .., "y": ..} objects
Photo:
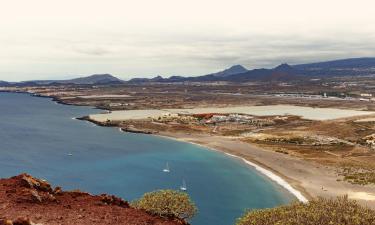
[
  {"x": 306, "y": 177},
  {"x": 279, "y": 179},
  {"x": 266, "y": 171},
  {"x": 303, "y": 179},
  {"x": 309, "y": 178}
]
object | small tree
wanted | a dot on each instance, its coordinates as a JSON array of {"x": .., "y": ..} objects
[
  {"x": 337, "y": 211},
  {"x": 167, "y": 203}
]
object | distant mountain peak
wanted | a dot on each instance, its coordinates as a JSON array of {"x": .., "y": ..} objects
[
  {"x": 105, "y": 75},
  {"x": 157, "y": 78},
  {"x": 283, "y": 67},
  {"x": 94, "y": 79},
  {"x": 235, "y": 69}
]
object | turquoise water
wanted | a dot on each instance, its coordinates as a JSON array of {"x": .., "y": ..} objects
[{"x": 36, "y": 136}]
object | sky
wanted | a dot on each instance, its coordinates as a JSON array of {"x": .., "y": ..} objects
[{"x": 54, "y": 39}]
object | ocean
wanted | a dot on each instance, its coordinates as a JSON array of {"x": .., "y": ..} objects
[{"x": 42, "y": 138}]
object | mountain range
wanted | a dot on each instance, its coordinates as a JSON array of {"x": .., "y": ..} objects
[
  {"x": 283, "y": 72},
  {"x": 236, "y": 73}
]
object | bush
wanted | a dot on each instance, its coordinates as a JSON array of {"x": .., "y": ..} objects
[
  {"x": 339, "y": 211},
  {"x": 167, "y": 203}
]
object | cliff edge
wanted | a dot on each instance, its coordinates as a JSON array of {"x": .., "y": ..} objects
[{"x": 27, "y": 200}]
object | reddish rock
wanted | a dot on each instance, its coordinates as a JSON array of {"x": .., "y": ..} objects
[
  {"x": 34, "y": 183},
  {"x": 4, "y": 221},
  {"x": 19, "y": 221},
  {"x": 25, "y": 200},
  {"x": 113, "y": 200}
]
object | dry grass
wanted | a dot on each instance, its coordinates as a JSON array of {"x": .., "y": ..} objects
[
  {"x": 357, "y": 173},
  {"x": 340, "y": 211}
]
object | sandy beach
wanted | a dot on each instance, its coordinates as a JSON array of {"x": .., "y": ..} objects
[
  {"x": 303, "y": 178},
  {"x": 308, "y": 178}
]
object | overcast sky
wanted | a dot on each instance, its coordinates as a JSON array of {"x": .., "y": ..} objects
[{"x": 53, "y": 39}]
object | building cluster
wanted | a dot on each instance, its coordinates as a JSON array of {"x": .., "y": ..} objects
[
  {"x": 212, "y": 119},
  {"x": 175, "y": 117},
  {"x": 118, "y": 104},
  {"x": 368, "y": 95},
  {"x": 361, "y": 97},
  {"x": 237, "y": 118}
]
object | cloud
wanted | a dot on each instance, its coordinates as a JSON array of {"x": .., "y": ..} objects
[
  {"x": 144, "y": 38},
  {"x": 93, "y": 51}
]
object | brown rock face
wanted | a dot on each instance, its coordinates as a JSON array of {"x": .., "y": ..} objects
[
  {"x": 19, "y": 221},
  {"x": 113, "y": 200},
  {"x": 34, "y": 183},
  {"x": 25, "y": 200}
]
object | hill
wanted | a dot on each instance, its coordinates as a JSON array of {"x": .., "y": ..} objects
[
  {"x": 236, "y": 69},
  {"x": 25, "y": 199},
  {"x": 341, "y": 63},
  {"x": 4, "y": 83},
  {"x": 95, "y": 79},
  {"x": 282, "y": 72},
  {"x": 342, "y": 67}
]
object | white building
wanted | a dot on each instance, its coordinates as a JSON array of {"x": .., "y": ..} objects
[{"x": 366, "y": 95}]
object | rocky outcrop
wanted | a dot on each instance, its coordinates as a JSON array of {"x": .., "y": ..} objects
[
  {"x": 369, "y": 140},
  {"x": 131, "y": 129},
  {"x": 18, "y": 221},
  {"x": 25, "y": 200}
]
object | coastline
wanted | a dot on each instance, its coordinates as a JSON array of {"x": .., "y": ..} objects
[
  {"x": 303, "y": 179},
  {"x": 280, "y": 179},
  {"x": 297, "y": 192},
  {"x": 309, "y": 178}
]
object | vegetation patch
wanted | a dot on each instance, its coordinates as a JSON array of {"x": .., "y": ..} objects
[
  {"x": 337, "y": 211},
  {"x": 167, "y": 203},
  {"x": 357, "y": 175}
]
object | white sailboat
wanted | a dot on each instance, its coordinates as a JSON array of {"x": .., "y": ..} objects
[
  {"x": 183, "y": 187},
  {"x": 166, "y": 169}
]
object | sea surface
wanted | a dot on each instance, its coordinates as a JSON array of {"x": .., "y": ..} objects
[{"x": 37, "y": 136}]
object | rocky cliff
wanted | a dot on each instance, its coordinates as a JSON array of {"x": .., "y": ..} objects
[{"x": 26, "y": 200}]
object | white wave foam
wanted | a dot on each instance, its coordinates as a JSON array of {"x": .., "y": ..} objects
[{"x": 280, "y": 181}]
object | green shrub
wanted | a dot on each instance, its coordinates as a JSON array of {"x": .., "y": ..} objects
[
  {"x": 320, "y": 211},
  {"x": 167, "y": 203}
]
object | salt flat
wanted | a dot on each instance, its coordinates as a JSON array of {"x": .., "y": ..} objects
[
  {"x": 305, "y": 112},
  {"x": 104, "y": 96}
]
